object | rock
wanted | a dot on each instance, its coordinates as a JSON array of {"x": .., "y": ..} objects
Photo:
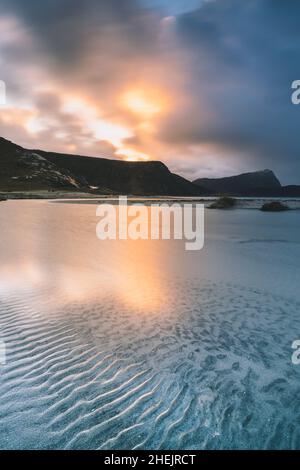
[
  {"x": 274, "y": 206},
  {"x": 224, "y": 202}
]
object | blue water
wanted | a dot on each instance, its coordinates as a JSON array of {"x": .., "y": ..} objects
[{"x": 140, "y": 344}]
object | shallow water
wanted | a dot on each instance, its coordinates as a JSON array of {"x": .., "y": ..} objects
[{"x": 141, "y": 344}]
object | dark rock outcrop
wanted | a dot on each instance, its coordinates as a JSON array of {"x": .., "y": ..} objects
[
  {"x": 225, "y": 202},
  {"x": 274, "y": 206}
]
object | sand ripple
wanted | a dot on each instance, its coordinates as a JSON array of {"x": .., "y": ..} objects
[{"x": 210, "y": 369}]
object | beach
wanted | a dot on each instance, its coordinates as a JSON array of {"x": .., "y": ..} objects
[{"x": 124, "y": 344}]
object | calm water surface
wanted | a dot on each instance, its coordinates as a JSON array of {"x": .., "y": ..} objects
[{"x": 141, "y": 344}]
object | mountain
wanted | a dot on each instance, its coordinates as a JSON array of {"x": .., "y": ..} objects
[
  {"x": 26, "y": 170},
  {"x": 258, "y": 183},
  {"x": 291, "y": 191},
  {"x": 29, "y": 170},
  {"x": 138, "y": 178}
]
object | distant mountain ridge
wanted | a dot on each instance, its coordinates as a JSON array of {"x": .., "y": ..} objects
[
  {"x": 36, "y": 170},
  {"x": 28, "y": 170},
  {"x": 258, "y": 183},
  {"x": 242, "y": 182}
]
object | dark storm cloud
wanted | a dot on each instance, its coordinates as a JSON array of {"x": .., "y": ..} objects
[
  {"x": 244, "y": 57},
  {"x": 230, "y": 63},
  {"x": 65, "y": 27},
  {"x": 97, "y": 45}
]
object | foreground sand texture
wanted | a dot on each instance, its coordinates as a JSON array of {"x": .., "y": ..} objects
[{"x": 143, "y": 345}]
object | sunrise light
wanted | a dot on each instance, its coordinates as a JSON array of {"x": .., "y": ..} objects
[
  {"x": 109, "y": 132},
  {"x": 131, "y": 155},
  {"x": 101, "y": 129},
  {"x": 34, "y": 125},
  {"x": 143, "y": 103}
]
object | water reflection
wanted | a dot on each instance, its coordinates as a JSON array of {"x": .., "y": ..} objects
[
  {"x": 123, "y": 344},
  {"x": 44, "y": 244}
]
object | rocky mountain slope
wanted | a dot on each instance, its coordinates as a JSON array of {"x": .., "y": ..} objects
[
  {"x": 259, "y": 183},
  {"x": 29, "y": 170},
  {"x": 36, "y": 170}
]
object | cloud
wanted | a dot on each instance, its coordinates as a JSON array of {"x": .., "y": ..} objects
[
  {"x": 243, "y": 59},
  {"x": 174, "y": 7},
  {"x": 221, "y": 73},
  {"x": 93, "y": 53}
]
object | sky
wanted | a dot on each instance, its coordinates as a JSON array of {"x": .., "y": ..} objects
[{"x": 202, "y": 85}]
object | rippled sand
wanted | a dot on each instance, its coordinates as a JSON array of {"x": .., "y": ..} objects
[{"x": 142, "y": 345}]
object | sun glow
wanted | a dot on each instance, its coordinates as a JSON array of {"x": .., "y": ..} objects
[
  {"x": 34, "y": 125},
  {"x": 142, "y": 103},
  {"x": 114, "y": 132},
  {"x": 132, "y": 155},
  {"x": 99, "y": 127}
]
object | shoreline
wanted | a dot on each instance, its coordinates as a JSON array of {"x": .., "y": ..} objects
[
  {"x": 88, "y": 198},
  {"x": 84, "y": 195}
]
